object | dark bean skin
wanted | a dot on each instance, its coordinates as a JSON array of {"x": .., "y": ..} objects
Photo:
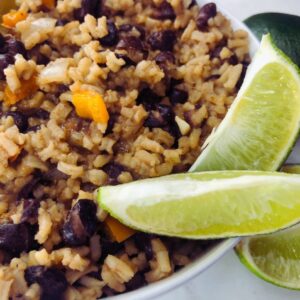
[
  {"x": 113, "y": 170},
  {"x": 16, "y": 238},
  {"x": 164, "y": 11},
  {"x": 111, "y": 122},
  {"x": 128, "y": 62},
  {"x": 143, "y": 243},
  {"x": 166, "y": 57},
  {"x": 111, "y": 39},
  {"x": 38, "y": 113},
  {"x": 137, "y": 281},
  {"x": 20, "y": 120},
  {"x": 5, "y": 61},
  {"x": 134, "y": 47},
  {"x": 148, "y": 98},
  {"x": 162, "y": 40},
  {"x": 54, "y": 174},
  {"x": 61, "y": 22},
  {"x": 81, "y": 223},
  {"x": 109, "y": 247},
  {"x": 162, "y": 116},
  {"x": 233, "y": 60},
  {"x": 127, "y": 28},
  {"x": 2, "y": 42},
  {"x": 87, "y": 7},
  {"x": 15, "y": 47},
  {"x": 178, "y": 96},
  {"x": 27, "y": 190},
  {"x": 37, "y": 56},
  {"x": 206, "y": 12},
  {"x": 51, "y": 280},
  {"x": 30, "y": 210},
  {"x": 215, "y": 53}
]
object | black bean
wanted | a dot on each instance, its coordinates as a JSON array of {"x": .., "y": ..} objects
[
  {"x": 109, "y": 247},
  {"x": 215, "y": 53},
  {"x": 5, "y": 61},
  {"x": 173, "y": 129},
  {"x": 54, "y": 174},
  {"x": 107, "y": 291},
  {"x": 164, "y": 11},
  {"x": 112, "y": 37},
  {"x": 51, "y": 280},
  {"x": 161, "y": 116},
  {"x": 111, "y": 122},
  {"x": 143, "y": 243},
  {"x": 81, "y": 223},
  {"x": 87, "y": 7},
  {"x": 207, "y": 11},
  {"x": 34, "y": 128},
  {"x": 233, "y": 60},
  {"x": 16, "y": 238},
  {"x": 242, "y": 76},
  {"x": 213, "y": 77},
  {"x": 37, "y": 56},
  {"x": 88, "y": 187},
  {"x": 20, "y": 120},
  {"x": 30, "y": 210},
  {"x": 61, "y": 22},
  {"x": 128, "y": 61},
  {"x": 27, "y": 190},
  {"x": 178, "y": 96},
  {"x": 38, "y": 113},
  {"x": 127, "y": 28},
  {"x": 15, "y": 47},
  {"x": 113, "y": 170},
  {"x": 134, "y": 47},
  {"x": 162, "y": 40},
  {"x": 193, "y": 3},
  {"x": 137, "y": 281},
  {"x": 163, "y": 58},
  {"x": 2, "y": 43},
  {"x": 148, "y": 98}
]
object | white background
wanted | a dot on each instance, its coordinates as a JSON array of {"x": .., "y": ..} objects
[{"x": 228, "y": 279}]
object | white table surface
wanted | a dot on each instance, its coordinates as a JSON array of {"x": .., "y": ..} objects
[{"x": 228, "y": 279}]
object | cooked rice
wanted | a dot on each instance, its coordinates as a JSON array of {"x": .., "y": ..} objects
[{"x": 48, "y": 164}]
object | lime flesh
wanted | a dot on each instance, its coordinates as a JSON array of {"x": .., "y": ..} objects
[
  {"x": 207, "y": 205},
  {"x": 262, "y": 125},
  {"x": 274, "y": 257}
]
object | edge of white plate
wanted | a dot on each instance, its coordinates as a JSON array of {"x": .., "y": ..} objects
[{"x": 217, "y": 251}]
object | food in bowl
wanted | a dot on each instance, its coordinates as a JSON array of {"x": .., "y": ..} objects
[{"x": 100, "y": 93}]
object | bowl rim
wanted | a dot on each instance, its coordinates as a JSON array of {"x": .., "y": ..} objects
[{"x": 216, "y": 252}]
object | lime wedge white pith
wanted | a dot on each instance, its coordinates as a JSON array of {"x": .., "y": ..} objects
[
  {"x": 207, "y": 205},
  {"x": 275, "y": 257},
  {"x": 262, "y": 124}
]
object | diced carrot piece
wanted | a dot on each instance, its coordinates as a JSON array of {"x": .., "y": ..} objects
[
  {"x": 90, "y": 104},
  {"x": 49, "y": 3},
  {"x": 13, "y": 17},
  {"x": 28, "y": 87},
  {"x": 117, "y": 230}
]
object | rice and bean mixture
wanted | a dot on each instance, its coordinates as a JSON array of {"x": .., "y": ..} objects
[{"x": 94, "y": 93}]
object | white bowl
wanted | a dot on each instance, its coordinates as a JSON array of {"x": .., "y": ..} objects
[{"x": 217, "y": 251}]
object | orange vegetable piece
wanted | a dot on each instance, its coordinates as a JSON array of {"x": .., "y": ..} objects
[
  {"x": 28, "y": 87},
  {"x": 49, "y": 3},
  {"x": 90, "y": 105},
  {"x": 117, "y": 231},
  {"x": 13, "y": 17}
]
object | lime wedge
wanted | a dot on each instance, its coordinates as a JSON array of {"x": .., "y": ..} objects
[
  {"x": 275, "y": 257},
  {"x": 262, "y": 124},
  {"x": 207, "y": 205}
]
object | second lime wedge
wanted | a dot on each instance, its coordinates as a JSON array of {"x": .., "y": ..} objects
[
  {"x": 207, "y": 205},
  {"x": 262, "y": 124}
]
